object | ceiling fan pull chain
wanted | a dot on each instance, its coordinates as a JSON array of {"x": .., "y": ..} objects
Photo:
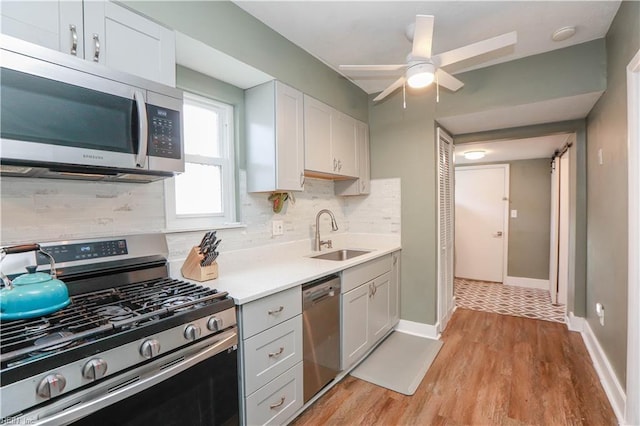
[
  {"x": 437, "y": 90},
  {"x": 404, "y": 95}
]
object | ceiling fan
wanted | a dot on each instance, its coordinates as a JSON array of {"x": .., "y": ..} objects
[{"x": 422, "y": 68}]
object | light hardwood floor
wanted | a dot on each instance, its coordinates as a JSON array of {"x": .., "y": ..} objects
[{"x": 492, "y": 370}]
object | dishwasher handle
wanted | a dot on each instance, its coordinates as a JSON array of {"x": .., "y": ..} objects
[{"x": 319, "y": 290}]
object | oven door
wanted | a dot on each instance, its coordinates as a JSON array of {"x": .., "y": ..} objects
[{"x": 195, "y": 389}]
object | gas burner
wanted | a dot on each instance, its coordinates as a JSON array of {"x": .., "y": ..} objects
[
  {"x": 34, "y": 328},
  {"x": 42, "y": 343},
  {"x": 115, "y": 312},
  {"x": 175, "y": 302}
]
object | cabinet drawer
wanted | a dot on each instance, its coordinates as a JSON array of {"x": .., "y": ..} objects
[
  {"x": 271, "y": 310},
  {"x": 271, "y": 353},
  {"x": 277, "y": 401},
  {"x": 358, "y": 275}
]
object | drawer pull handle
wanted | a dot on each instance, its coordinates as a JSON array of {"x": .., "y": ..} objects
[
  {"x": 277, "y": 311},
  {"x": 277, "y": 404},
  {"x": 275, "y": 354}
]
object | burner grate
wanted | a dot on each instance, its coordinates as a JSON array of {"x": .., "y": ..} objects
[{"x": 101, "y": 313}]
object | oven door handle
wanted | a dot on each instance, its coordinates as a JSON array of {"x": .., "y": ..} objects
[{"x": 222, "y": 342}]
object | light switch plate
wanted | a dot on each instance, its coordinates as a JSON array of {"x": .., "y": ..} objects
[{"x": 514, "y": 213}]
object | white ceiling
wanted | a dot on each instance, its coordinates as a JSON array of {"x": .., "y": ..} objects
[
  {"x": 509, "y": 150},
  {"x": 372, "y": 32}
]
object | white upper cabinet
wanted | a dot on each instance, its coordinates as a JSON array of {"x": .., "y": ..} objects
[
  {"x": 98, "y": 31},
  {"x": 317, "y": 136},
  {"x": 330, "y": 141},
  {"x": 275, "y": 138},
  {"x": 54, "y": 24},
  {"x": 362, "y": 184}
]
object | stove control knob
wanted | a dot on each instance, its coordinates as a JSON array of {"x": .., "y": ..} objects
[
  {"x": 214, "y": 324},
  {"x": 192, "y": 332},
  {"x": 94, "y": 369},
  {"x": 51, "y": 386},
  {"x": 150, "y": 348}
]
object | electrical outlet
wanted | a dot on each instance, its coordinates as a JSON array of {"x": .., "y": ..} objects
[
  {"x": 600, "y": 312},
  {"x": 278, "y": 227}
]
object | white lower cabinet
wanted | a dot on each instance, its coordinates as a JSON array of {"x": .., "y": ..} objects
[
  {"x": 367, "y": 310},
  {"x": 271, "y": 358},
  {"x": 277, "y": 401}
]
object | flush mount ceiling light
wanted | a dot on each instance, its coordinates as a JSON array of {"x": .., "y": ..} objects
[
  {"x": 474, "y": 155},
  {"x": 420, "y": 75},
  {"x": 563, "y": 33}
]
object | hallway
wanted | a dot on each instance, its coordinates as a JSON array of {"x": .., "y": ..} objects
[
  {"x": 492, "y": 370},
  {"x": 507, "y": 300}
]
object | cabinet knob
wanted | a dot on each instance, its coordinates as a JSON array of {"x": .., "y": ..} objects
[
  {"x": 277, "y": 404},
  {"x": 96, "y": 47},
  {"x": 51, "y": 386},
  {"x": 94, "y": 369},
  {"x": 276, "y": 311},
  {"x": 276, "y": 354},
  {"x": 74, "y": 40}
]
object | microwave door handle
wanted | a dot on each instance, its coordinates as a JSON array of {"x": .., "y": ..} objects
[{"x": 143, "y": 129}]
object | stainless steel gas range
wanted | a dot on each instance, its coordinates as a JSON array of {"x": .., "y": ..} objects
[{"x": 133, "y": 347}]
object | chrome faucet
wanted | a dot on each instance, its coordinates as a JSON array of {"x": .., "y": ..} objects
[{"x": 334, "y": 227}]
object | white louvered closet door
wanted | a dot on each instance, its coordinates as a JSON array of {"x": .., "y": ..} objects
[{"x": 446, "y": 300}]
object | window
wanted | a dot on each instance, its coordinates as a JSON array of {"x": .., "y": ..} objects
[{"x": 204, "y": 195}]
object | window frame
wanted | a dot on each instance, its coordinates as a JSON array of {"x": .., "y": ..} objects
[{"x": 226, "y": 219}]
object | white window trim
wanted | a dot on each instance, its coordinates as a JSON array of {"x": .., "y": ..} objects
[{"x": 208, "y": 221}]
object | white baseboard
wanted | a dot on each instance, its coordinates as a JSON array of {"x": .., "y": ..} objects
[
  {"x": 574, "y": 323},
  {"x": 527, "y": 282},
  {"x": 418, "y": 329},
  {"x": 607, "y": 376}
]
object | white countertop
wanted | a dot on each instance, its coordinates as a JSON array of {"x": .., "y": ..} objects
[{"x": 254, "y": 273}]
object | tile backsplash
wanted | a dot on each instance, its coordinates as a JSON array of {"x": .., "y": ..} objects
[{"x": 49, "y": 210}]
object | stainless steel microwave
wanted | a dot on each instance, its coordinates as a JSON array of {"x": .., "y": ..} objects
[{"x": 64, "y": 117}]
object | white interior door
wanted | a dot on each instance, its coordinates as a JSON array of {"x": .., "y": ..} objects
[
  {"x": 555, "y": 217},
  {"x": 481, "y": 222},
  {"x": 446, "y": 301},
  {"x": 563, "y": 231}
]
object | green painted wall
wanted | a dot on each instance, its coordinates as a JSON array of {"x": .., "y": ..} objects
[
  {"x": 607, "y": 193},
  {"x": 400, "y": 138},
  {"x": 564, "y": 72},
  {"x": 402, "y": 145},
  {"x": 229, "y": 29}
]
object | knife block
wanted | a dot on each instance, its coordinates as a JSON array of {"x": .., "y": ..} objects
[{"x": 192, "y": 270}]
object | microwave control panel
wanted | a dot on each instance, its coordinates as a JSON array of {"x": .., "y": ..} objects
[{"x": 164, "y": 132}]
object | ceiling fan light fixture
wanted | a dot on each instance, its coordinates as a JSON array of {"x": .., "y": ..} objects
[
  {"x": 420, "y": 75},
  {"x": 474, "y": 155}
]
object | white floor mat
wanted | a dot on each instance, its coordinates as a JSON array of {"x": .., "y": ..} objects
[{"x": 399, "y": 363}]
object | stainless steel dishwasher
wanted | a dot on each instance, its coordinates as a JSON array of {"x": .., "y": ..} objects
[{"x": 321, "y": 333}]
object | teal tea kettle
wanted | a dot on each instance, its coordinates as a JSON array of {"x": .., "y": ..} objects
[{"x": 33, "y": 294}]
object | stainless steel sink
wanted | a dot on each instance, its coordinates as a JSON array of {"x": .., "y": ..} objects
[{"x": 339, "y": 255}]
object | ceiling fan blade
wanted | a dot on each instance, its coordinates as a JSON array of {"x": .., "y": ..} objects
[
  {"x": 476, "y": 49},
  {"x": 399, "y": 82},
  {"x": 447, "y": 80},
  {"x": 372, "y": 67},
  {"x": 422, "y": 36}
]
